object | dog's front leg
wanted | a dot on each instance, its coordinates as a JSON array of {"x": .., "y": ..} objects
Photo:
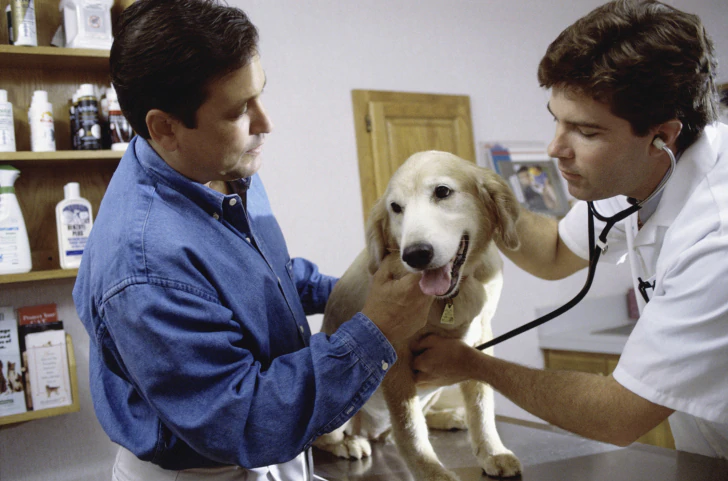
[
  {"x": 493, "y": 456},
  {"x": 408, "y": 422}
]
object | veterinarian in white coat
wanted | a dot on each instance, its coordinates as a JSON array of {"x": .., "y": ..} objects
[{"x": 610, "y": 101}]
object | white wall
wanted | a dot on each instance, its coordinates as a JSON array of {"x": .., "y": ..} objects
[{"x": 315, "y": 53}]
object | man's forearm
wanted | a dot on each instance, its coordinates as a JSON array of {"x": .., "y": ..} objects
[
  {"x": 590, "y": 405},
  {"x": 541, "y": 252}
]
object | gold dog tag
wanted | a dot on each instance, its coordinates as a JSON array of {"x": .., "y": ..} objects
[{"x": 448, "y": 315}]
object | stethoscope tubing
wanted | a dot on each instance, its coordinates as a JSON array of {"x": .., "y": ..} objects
[{"x": 595, "y": 251}]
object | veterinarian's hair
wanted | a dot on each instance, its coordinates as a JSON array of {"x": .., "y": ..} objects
[
  {"x": 167, "y": 52},
  {"x": 648, "y": 61}
]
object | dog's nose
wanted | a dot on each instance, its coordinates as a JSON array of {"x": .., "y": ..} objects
[{"x": 418, "y": 256}]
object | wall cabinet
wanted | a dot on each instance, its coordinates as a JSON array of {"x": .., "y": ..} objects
[{"x": 604, "y": 364}]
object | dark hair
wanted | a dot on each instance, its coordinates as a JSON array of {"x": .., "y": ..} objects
[
  {"x": 166, "y": 53},
  {"x": 648, "y": 61}
]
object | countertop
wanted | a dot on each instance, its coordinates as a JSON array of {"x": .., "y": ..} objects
[
  {"x": 547, "y": 454},
  {"x": 594, "y": 325}
]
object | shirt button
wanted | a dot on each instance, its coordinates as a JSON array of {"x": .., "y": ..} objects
[
  {"x": 300, "y": 328},
  {"x": 216, "y": 216},
  {"x": 233, "y": 202},
  {"x": 248, "y": 239},
  {"x": 385, "y": 365}
]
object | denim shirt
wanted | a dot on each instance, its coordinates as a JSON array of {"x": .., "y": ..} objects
[{"x": 200, "y": 351}]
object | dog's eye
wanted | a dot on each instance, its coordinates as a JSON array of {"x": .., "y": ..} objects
[
  {"x": 442, "y": 192},
  {"x": 396, "y": 208}
]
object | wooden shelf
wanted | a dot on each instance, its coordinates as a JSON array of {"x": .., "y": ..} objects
[
  {"x": 35, "y": 276},
  {"x": 12, "y": 56},
  {"x": 61, "y": 155},
  {"x": 45, "y": 413}
]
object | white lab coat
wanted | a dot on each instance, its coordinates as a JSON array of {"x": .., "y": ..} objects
[{"x": 677, "y": 355}]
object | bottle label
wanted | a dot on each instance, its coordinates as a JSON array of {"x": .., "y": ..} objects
[
  {"x": 42, "y": 132},
  {"x": 23, "y": 12},
  {"x": 7, "y": 128},
  {"x": 89, "y": 129},
  {"x": 76, "y": 226},
  {"x": 9, "y": 236}
]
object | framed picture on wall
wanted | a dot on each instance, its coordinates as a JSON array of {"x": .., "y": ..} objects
[{"x": 536, "y": 184}]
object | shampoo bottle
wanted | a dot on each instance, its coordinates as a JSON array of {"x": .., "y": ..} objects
[
  {"x": 87, "y": 119},
  {"x": 24, "y": 31},
  {"x": 14, "y": 246},
  {"x": 40, "y": 118},
  {"x": 73, "y": 222},
  {"x": 7, "y": 126}
]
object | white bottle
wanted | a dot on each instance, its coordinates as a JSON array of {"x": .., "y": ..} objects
[
  {"x": 24, "y": 31},
  {"x": 14, "y": 246},
  {"x": 73, "y": 222},
  {"x": 7, "y": 126},
  {"x": 40, "y": 118}
]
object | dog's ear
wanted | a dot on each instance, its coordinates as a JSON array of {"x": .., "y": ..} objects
[
  {"x": 377, "y": 234},
  {"x": 500, "y": 200}
]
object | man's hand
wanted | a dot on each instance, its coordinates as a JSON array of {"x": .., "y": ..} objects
[
  {"x": 398, "y": 307},
  {"x": 442, "y": 361}
]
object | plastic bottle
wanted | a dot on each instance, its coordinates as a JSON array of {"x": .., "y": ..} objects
[
  {"x": 73, "y": 222},
  {"x": 73, "y": 120},
  {"x": 24, "y": 31},
  {"x": 87, "y": 119},
  {"x": 14, "y": 245},
  {"x": 9, "y": 19},
  {"x": 121, "y": 131},
  {"x": 87, "y": 23},
  {"x": 40, "y": 118},
  {"x": 7, "y": 125}
]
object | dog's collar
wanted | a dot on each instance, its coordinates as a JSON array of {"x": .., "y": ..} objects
[{"x": 462, "y": 280}]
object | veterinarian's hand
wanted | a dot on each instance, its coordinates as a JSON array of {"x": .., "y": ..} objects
[
  {"x": 396, "y": 305},
  {"x": 441, "y": 361}
]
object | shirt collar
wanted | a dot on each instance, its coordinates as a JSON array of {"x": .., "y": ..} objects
[
  {"x": 210, "y": 199},
  {"x": 690, "y": 171}
]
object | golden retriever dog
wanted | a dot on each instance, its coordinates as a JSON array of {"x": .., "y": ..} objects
[{"x": 440, "y": 215}]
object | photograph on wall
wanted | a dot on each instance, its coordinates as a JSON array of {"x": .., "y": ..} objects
[{"x": 536, "y": 184}]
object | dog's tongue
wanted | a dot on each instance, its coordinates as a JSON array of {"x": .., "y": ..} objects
[{"x": 436, "y": 282}]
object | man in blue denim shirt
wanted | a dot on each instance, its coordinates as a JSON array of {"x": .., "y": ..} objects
[{"x": 201, "y": 357}]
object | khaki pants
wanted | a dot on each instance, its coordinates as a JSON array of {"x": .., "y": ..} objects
[{"x": 130, "y": 468}]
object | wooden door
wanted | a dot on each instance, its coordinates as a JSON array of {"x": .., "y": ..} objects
[{"x": 391, "y": 126}]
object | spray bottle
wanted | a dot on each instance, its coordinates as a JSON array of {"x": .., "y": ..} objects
[{"x": 14, "y": 245}]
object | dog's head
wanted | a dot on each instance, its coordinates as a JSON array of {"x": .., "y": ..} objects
[{"x": 439, "y": 213}]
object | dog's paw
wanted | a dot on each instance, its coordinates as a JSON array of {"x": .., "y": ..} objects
[
  {"x": 502, "y": 465},
  {"x": 447, "y": 419},
  {"x": 440, "y": 474},
  {"x": 351, "y": 447}
]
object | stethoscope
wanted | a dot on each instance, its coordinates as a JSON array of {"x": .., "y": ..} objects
[{"x": 596, "y": 248}]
